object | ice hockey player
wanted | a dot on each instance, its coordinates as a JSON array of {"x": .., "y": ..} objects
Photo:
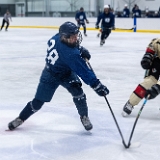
[
  {"x": 150, "y": 85},
  {"x": 6, "y": 18},
  {"x": 65, "y": 63},
  {"x": 107, "y": 20},
  {"x": 81, "y": 18}
]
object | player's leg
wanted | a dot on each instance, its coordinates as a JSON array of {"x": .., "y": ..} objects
[
  {"x": 3, "y": 22},
  {"x": 99, "y": 33},
  {"x": 84, "y": 29},
  {"x": 102, "y": 39},
  {"x": 28, "y": 110},
  {"x": 45, "y": 91},
  {"x": 73, "y": 85},
  {"x": 78, "y": 25},
  {"x": 7, "y": 24},
  {"x": 138, "y": 94},
  {"x": 151, "y": 78},
  {"x": 107, "y": 33}
]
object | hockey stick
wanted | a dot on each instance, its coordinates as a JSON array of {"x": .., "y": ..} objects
[
  {"x": 134, "y": 125},
  {"x": 125, "y": 29},
  {"x": 123, "y": 141},
  {"x": 118, "y": 28},
  {"x": 116, "y": 123}
]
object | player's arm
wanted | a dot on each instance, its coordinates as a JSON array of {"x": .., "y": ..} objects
[
  {"x": 77, "y": 17},
  {"x": 98, "y": 21},
  {"x": 148, "y": 57},
  {"x": 80, "y": 67},
  {"x": 84, "y": 53},
  {"x": 86, "y": 18}
]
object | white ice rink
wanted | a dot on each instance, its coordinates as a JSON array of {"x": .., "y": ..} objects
[{"x": 55, "y": 132}]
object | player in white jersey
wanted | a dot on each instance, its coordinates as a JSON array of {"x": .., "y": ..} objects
[{"x": 6, "y": 18}]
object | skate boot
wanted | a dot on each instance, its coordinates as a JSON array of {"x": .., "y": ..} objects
[
  {"x": 102, "y": 42},
  {"x": 86, "y": 123},
  {"x": 98, "y": 34},
  {"x": 85, "y": 34},
  {"x": 127, "y": 109},
  {"x": 15, "y": 123}
]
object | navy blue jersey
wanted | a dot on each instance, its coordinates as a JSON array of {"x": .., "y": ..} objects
[
  {"x": 126, "y": 12},
  {"x": 107, "y": 20},
  {"x": 80, "y": 17},
  {"x": 62, "y": 60}
]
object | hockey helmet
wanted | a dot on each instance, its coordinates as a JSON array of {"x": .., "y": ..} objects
[{"x": 68, "y": 29}]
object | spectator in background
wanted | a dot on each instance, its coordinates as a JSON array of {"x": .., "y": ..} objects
[
  {"x": 149, "y": 14},
  {"x": 137, "y": 12},
  {"x": 119, "y": 15},
  {"x": 156, "y": 15},
  {"x": 6, "y": 17},
  {"x": 126, "y": 11},
  {"x": 134, "y": 8}
]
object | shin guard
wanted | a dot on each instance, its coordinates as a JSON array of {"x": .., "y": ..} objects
[{"x": 30, "y": 109}]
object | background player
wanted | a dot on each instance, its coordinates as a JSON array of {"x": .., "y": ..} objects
[
  {"x": 6, "y": 17},
  {"x": 81, "y": 18},
  {"x": 107, "y": 24}
]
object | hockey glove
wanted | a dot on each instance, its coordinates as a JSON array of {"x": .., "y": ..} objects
[
  {"x": 113, "y": 28},
  {"x": 84, "y": 53},
  {"x": 87, "y": 21},
  {"x": 97, "y": 27},
  {"x": 147, "y": 61},
  {"x": 100, "y": 89},
  {"x": 153, "y": 92}
]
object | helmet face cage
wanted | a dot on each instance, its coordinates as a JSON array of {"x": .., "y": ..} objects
[{"x": 79, "y": 38}]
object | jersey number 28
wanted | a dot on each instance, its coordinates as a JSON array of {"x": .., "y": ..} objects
[{"x": 52, "y": 55}]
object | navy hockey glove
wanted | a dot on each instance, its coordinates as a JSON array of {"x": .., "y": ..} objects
[
  {"x": 153, "y": 92},
  {"x": 85, "y": 53},
  {"x": 147, "y": 61},
  {"x": 100, "y": 89},
  {"x": 113, "y": 28},
  {"x": 87, "y": 21}
]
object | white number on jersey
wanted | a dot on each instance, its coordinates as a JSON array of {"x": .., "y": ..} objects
[{"x": 52, "y": 55}]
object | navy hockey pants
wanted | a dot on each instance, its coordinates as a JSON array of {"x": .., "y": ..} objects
[{"x": 46, "y": 89}]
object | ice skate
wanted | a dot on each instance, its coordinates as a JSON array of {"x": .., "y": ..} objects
[
  {"x": 102, "y": 42},
  {"x": 85, "y": 34},
  {"x": 127, "y": 109},
  {"x": 15, "y": 123},
  {"x": 86, "y": 123},
  {"x": 98, "y": 34}
]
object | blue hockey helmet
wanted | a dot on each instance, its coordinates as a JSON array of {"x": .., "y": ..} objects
[{"x": 68, "y": 29}]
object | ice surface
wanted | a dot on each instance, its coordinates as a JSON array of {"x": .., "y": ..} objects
[{"x": 55, "y": 132}]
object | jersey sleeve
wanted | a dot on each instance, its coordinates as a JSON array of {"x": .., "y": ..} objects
[
  {"x": 99, "y": 19},
  {"x": 80, "y": 67}
]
